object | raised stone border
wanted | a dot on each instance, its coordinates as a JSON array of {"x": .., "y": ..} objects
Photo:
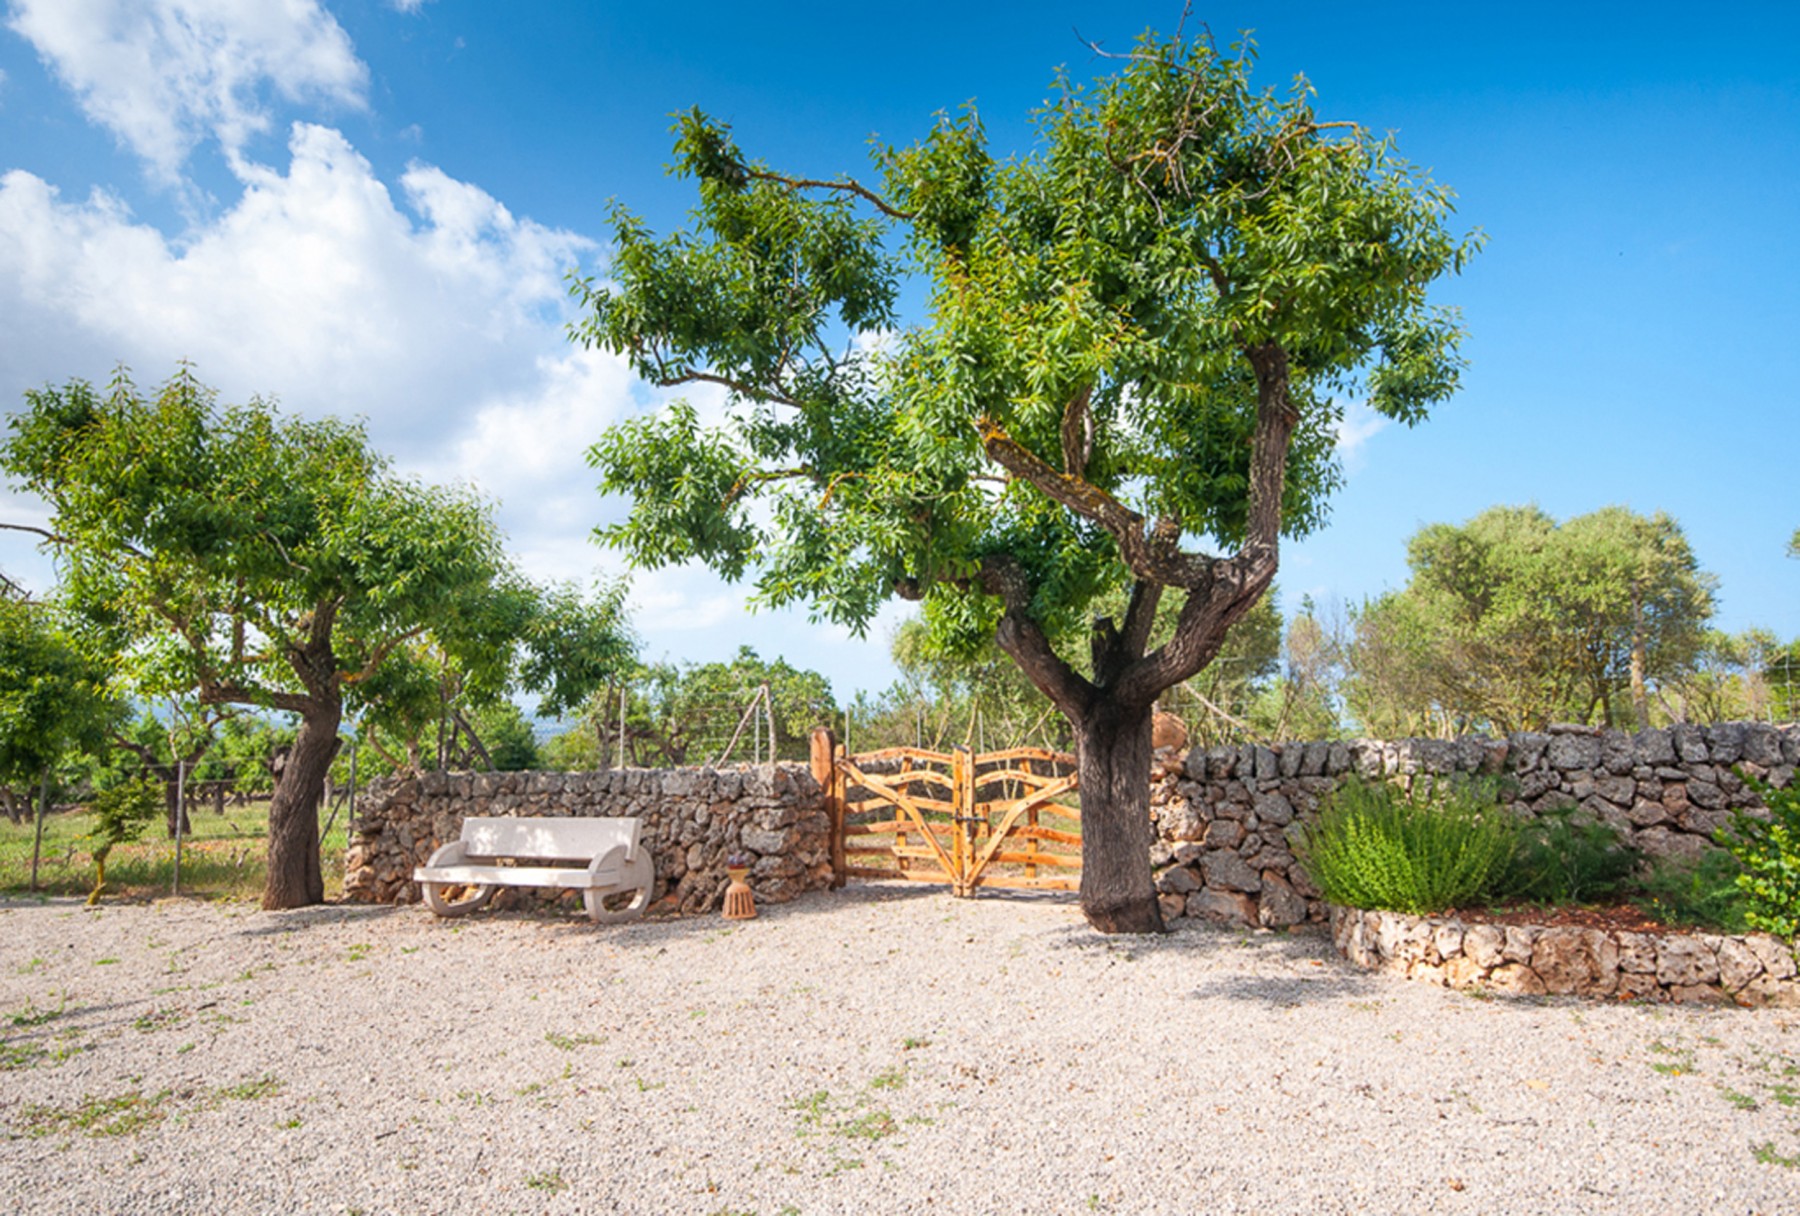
[{"x": 1754, "y": 969}]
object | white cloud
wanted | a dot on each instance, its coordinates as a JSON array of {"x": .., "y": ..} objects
[
  {"x": 316, "y": 286},
  {"x": 1358, "y": 425},
  {"x": 162, "y": 75},
  {"x": 407, "y": 6},
  {"x": 432, "y": 311}
]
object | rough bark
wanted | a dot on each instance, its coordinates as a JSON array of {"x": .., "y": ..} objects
[
  {"x": 295, "y": 879},
  {"x": 1112, "y": 747}
]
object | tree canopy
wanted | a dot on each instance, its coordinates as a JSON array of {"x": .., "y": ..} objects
[
  {"x": 238, "y": 556},
  {"x": 1513, "y": 621},
  {"x": 1139, "y": 337}
]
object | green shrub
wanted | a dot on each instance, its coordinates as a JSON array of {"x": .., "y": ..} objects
[
  {"x": 1769, "y": 852},
  {"x": 1700, "y": 892},
  {"x": 1433, "y": 849},
  {"x": 1563, "y": 859}
]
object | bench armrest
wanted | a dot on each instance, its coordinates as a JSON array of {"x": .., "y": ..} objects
[
  {"x": 609, "y": 868},
  {"x": 453, "y": 854}
]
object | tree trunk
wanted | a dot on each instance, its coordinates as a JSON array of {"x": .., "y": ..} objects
[
  {"x": 173, "y": 804},
  {"x": 1112, "y": 747},
  {"x": 295, "y": 879},
  {"x": 1640, "y": 698}
]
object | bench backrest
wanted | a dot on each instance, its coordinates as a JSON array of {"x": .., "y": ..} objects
[{"x": 548, "y": 839}]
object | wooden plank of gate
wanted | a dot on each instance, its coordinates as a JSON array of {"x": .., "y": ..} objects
[
  {"x": 1038, "y": 799},
  {"x": 907, "y": 806}
]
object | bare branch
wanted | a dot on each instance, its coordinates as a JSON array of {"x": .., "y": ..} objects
[
  {"x": 842, "y": 185},
  {"x": 741, "y": 387}
]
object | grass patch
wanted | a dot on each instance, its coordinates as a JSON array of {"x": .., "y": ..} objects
[
  {"x": 224, "y": 857},
  {"x": 569, "y": 1042},
  {"x": 120, "y": 1115}
]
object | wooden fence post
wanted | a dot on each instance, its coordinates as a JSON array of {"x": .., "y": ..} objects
[{"x": 824, "y": 757}]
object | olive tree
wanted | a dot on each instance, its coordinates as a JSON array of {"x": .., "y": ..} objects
[
  {"x": 1137, "y": 342},
  {"x": 243, "y": 557}
]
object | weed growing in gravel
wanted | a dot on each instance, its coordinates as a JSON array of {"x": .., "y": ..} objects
[
  {"x": 550, "y": 1181},
  {"x": 121, "y": 1115},
  {"x": 249, "y": 1091},
  {"x": 569, "y": 1042},
  {"x": 1741, "y": 1101},
  {"x": 1681, "y": 1059},
  {"x": 29, "y": 1014},
  {"x": 359, "y": 951},
  {"x": 158, "y": 1019},
  {"x": 1766, "y": 1154},
  {"x": 893, "y": 1078},
  {"x": 30, "y": 967},
  {"x": 17, "y": 1056},
  {"x": 911, "y": 1044}
]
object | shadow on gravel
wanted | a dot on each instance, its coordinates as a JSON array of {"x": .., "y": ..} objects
[
  {"x": 1284, "y": 992},
  {"x": 294, "y": 919}
]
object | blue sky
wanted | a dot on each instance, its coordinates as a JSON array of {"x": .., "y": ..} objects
[{"x": 367, "y": 207}]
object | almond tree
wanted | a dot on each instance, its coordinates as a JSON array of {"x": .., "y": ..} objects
[
  {"x": 1137, "y": 342},
  {"x": 241, "y": 557}
]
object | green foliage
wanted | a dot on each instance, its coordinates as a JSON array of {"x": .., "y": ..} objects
[
  {"x": 1435, "y": 848},
  {"x": 55, "y": 697},
  {"x": 1565, "y": 857},
  {"x": 234, "y": 556},
  {"x": 1701, "y": 892},
  {"x": 689, "y": 714},
  {"x": 1512, "y": 621},
  {"x": 1175, "y": 221},
  {"x": 122, "y": 812},
  {"x": 1768, "y": 849},
  {"x": 511, "y": 743}
]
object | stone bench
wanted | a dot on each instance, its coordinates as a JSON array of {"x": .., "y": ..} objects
[{"x": 601, "y": 858}]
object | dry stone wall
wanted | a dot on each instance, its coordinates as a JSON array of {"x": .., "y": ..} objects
[
  {"x": 693, "y": 820},
  {"x": 1228, "y": 818},
  {"x": 1752, "y": 969}
]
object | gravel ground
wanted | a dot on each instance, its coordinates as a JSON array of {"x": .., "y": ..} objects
[{"x": 880, "y": 1049}]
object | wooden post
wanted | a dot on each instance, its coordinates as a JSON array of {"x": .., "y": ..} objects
[
  {"x": 962, "y": 797},
  {"x": 37, "y": 837},
  {"x": 840, "y": 863},
  {"x": 823, "y": 758}
]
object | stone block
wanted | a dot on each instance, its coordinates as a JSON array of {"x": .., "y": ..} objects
[
  {"x": 1516, "y": 979},
  {"x": 1690, "y": 743},
  {"x": 1280, "y": 905},
  {"x": 1581, "y": 962},
  {"x": 1274, "y": 808},
  {"x": 1464, "y": 972},
  {"x": 1685, "y": 961},
  {"x": 1569, "y": 752},
  {"x": 1482, "y": 944},
  {"x": 1223, "y": 834},
  {"x": 1231, "y": 907},
  {"x": 1653, "y": 747},
  {"x": 1776, "y": 957},
  {"x": 1177, "y": 880},
  {"x": 1738, "y": 964},
  {"x": 1173, "y": 906},
  {"x": 1226, "y": 871}
]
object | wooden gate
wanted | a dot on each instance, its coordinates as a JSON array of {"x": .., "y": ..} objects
[{"x": 967, "y": 820}]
